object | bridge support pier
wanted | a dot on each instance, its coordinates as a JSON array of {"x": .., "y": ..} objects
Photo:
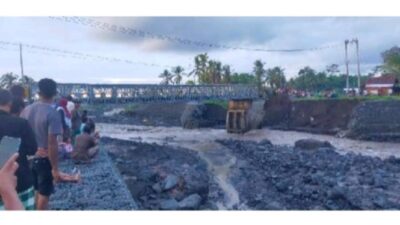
[{"x": 237, "y": 120}]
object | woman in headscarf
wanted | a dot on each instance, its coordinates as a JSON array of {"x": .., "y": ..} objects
[{"x": 65, "y": 118}]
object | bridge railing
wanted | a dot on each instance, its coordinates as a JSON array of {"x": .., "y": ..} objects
[{"x": 123, "y": 93}]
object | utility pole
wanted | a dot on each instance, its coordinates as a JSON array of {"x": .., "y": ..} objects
[
  {"x": 346, "y": 43},
  {"x": 358, "y": 66},
  {"x": 21, "y": 60}
]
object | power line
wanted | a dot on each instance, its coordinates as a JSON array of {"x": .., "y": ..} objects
[
  {"x": 76, "y": 55},
  {"x": 145, "y": 34}
]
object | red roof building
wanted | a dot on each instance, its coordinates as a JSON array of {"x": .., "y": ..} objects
[{"x": 383, "y": 85}]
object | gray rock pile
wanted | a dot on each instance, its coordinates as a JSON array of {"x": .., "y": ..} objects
[
  {"x": 194, "y": 115},
  {"x": 162, "y": 177},
  {"x": 198, "y": 115},
  {"x": 280, "y": 177}
]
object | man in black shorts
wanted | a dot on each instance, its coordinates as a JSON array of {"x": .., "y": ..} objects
[
  {"x": 13, "y": 126},
  {"x": 46, "y": 123}
]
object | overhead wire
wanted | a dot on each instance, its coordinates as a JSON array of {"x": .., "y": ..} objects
[{"x": 105, "y": 26}]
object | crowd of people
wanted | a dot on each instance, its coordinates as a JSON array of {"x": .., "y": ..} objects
[{"x": 49, "y": 130}]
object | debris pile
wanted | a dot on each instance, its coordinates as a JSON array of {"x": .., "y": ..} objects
[{"x": 163, "y": 177}]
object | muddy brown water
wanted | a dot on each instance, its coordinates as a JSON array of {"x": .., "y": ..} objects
[{"x": 220, "y": 160}]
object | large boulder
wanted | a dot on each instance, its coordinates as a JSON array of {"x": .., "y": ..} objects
[
  {"x": 194, "y": 115},
  {"x": 375, "y": 120},
  {"x": 312, "y": 144},
  {"x": 169, "y": 182},
  {"x": 191, "y": 202},
  {"x": 197, "y": 115},
  {"x": 169, "y": 204}
]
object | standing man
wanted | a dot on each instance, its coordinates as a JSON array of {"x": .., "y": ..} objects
[
  {"x": 46, "y": 124},
  {"x": 13, "y": 126}
]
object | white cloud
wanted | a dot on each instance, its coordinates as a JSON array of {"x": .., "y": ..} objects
[{"x": 375, "y": 35}]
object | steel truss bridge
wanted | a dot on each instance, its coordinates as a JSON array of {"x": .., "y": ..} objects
[{"x": 125, "y": 93}]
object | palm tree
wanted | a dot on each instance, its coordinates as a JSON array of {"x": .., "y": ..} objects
[
  {"x": 226, "y": 74},
  {"x": 214, "y": 72},
  {"x": 177, "y": 74},
  {"x": 200, "y": 70},
  {"x": 26, "y": 81},
  {"x": 276, "y": 77},
  {"x": 166, "y": 77},
  {"x": 259, "y": 72},
  {"x": 332, "y": 69},
  {"x": 7, "y": 80}
]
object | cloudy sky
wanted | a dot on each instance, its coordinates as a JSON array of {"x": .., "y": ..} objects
[{"x": 375, "y": 35}]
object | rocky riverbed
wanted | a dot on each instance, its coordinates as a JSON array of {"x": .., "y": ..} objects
[
  {"x": 249, "y": 172},
  {"x": 164, "y": 178},
  {"x": 270, "y": 177},
  {"x": 160, "y": 168}
]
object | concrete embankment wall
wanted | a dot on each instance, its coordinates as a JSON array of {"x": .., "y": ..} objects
[
  {"x": 316, "y": 116},
  {"x": 365, "y": 120},
  {"x": 376, "y": 121}
]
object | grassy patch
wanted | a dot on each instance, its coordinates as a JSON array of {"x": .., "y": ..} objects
[
  {"x": 222, "y": 103},
  {"x": 130, "y": 108},
  {"x": 361, "y": 98}
]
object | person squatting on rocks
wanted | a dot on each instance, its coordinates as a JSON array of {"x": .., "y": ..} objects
[
  {"x": 13, "y": 126},
  {"x": 86, "y": 144},
  {"x": 47, "y": 125},
  {"x": 8, "y": 183}
]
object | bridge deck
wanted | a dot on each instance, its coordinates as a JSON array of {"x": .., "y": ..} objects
[{"x": 123, "y": 93}]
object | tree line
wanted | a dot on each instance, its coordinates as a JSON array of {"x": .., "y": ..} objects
[
  {"x": 7, "y": 80},
  {"x": 209, "y": 71},
  {"x": 391, "y": 62}
]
